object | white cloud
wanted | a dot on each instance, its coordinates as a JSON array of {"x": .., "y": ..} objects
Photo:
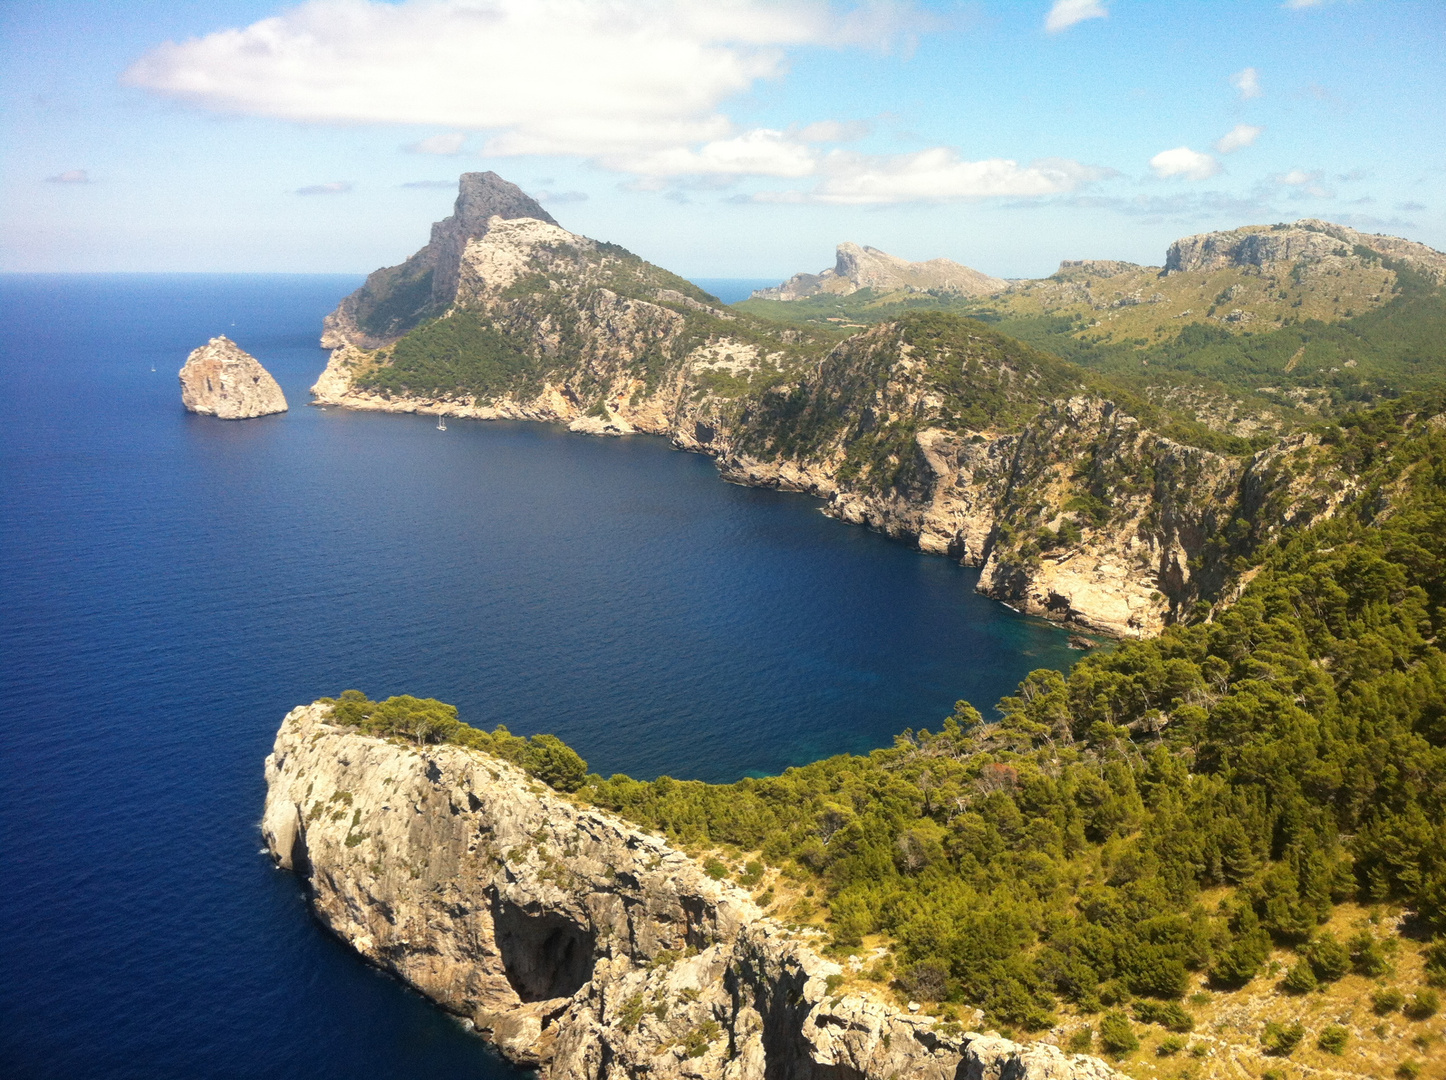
[
  {"x": 443, "y": 145},
  {"x": 336, "y": 187},
  {"x": 71, "y": 176},
  {"x": 544, "y": 76},
  {"x": 1247, "y": 81},
  {"x": 450, "y": 185},
  {"x": 935, "y": 175},
  {"x": 1306, "y": 183},
  {"x": 1185, "y": 163},
  {"x": 1065, "y": 13},
  {"x": 1297, "y": 5},
  {"x": 834, "y": 131},
  {"x": 1237, "y": 138},
  {"x": 762, "y": 152}
]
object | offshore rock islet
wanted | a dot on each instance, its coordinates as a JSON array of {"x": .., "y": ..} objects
[{"x": 222, "y": 380}]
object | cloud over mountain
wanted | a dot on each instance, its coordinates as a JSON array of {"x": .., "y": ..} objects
[
  {"x": 550, "y": 76},
  {"x": 1184, "y": 163}
]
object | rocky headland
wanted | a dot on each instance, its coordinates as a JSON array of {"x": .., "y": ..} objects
[
  {"x": 1078, "y": 500},
  {"x": 220, "y": 379},
  {"x": 858, "y": 268},
  {"x": 576, "y": 942}
]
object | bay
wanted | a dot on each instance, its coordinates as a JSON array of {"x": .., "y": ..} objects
[{"x": 172, "y": 584}]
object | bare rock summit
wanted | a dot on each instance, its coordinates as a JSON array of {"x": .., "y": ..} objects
[
  {"x": 858, "y": 268},
  {"x": 396, "y": 298},
  {"x": 222, "y": 380}
]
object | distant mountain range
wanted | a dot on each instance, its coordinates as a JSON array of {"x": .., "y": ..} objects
[{"x": 869, "y": 268}]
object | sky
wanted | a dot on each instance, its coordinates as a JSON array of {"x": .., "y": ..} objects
[{"x": 717, "y": 138}]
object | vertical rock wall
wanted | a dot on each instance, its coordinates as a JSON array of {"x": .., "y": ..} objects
[{"x": 577, "y": 943}]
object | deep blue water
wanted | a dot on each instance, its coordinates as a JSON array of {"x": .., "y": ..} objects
[
  {"x": 171, "y": 585},
  {"x": 732, "y": 290}
]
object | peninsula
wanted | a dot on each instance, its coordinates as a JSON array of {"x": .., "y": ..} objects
[
  {"x": 1034, "y": 432},
  {"x": 574, "y": 941}
]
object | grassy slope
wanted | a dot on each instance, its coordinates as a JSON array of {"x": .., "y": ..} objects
[
  {"x": 488, "y": 354},
  {"x": 1396, "y": 347}
]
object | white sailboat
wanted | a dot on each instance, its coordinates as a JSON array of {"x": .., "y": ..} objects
[{"x": 441, "y": 422}]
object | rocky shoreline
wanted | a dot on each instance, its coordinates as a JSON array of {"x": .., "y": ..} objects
[
  {"x": 576, "y": 943},
  {"x": 961, "y": 441}
]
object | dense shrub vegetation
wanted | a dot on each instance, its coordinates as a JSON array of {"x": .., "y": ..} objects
[
  {"x": 1381, "y": 353},
  {"x": 1169, "y": 807},
  {"x": 427, "y": 720}
]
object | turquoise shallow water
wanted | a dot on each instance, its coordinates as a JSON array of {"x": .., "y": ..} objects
[{"x": 172, "y": 584}]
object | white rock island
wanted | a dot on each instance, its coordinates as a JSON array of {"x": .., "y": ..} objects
[{"x": 221, "y": 380}]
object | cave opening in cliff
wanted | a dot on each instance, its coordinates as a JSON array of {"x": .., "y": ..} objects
[{"x": 545, "y": 955}]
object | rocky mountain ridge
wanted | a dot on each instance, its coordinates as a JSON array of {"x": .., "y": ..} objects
[
  {"x": 577, "y": 943},
  {"x": 221, "y": 379},
  {"x": 396, "y": 298},
  {"x": 1078, "y": 502},
  {"x": 858, "y": 268}
]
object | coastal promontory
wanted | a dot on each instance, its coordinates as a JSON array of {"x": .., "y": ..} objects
[
  {"x": 220, "y": 379},
  {"x": 578, "y": 943}
]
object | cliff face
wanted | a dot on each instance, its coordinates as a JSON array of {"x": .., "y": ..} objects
[
  {"x": 1083, "y": 514},
  {"x": 1309, "y": 239},
  {"x": 869, "y": 268},
  {"x": 575, "y": 942},
  {"x": 933, "y": 429},
  {"x": 395, "y": 298},
  {"x": 221, "y": 380}
]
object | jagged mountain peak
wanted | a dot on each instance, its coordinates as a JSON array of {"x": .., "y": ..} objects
[
  {"x": 862, "y": 267},
  {"x": 396, "y": 298}
]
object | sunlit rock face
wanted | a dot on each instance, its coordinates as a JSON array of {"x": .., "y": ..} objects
[
  {"x": 219, "y": 379},
  {"x": 576, "y": 942}
]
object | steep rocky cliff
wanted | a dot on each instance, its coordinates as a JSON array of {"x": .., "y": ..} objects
[
  {"x": 219, "y": 379},
  {"x": 396, "y": 298},
  {"x": 576, "y": 942},
  {"x": 858, "y": 268},
  {"x": 1078, "y": 502}
]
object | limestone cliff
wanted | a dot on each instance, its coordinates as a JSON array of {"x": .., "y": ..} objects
[
  {"x": 858, "y": 268},
  {"x": 1309, "y": 239},
  {"x": 574, "y": 941},
  {"x": 1248, "y": 280},
  {"x": 395, "y": 298},
  {"x": 221, "y": 380},
  {"x": 929, "y": 427}
]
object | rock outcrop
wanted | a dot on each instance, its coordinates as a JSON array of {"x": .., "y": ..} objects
[
  {"x": 575, "y": 942},
  {"x": 1308, "y": 239},
  {"x": 396, "y": 298},
  {"x": 869, "y": 268},
  {"x": 969, "y": 445},
  {"x": 221, "y": 380}
]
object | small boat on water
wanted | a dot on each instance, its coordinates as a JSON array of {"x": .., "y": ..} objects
[{"x": 441, "y": 422}]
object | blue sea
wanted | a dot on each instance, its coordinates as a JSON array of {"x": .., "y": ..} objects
[{"x": 172, "y": 584}]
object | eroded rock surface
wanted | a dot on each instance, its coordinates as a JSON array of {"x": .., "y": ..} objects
[
  {"x": 858, "y": 268},
  {"x": 219, "y": 379},
  {"x": 1072, "y": 508},
  {"x": 577, "y": 943}
]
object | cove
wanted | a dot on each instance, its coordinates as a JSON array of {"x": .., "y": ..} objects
[{"x": 174, "y": 584}]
